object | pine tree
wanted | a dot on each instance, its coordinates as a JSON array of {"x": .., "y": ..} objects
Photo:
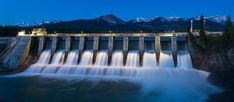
[
  {"x": 227, "y": 37},
  {"x": 229, "y": 21},
  {"x": 202, "y": 32},
  {"x": 228, "y": 26}
]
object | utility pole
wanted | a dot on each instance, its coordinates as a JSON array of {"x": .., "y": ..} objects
[
  {"x": 34, "y": 23},
  {"x": 43, "y": 22},
  {"x": 191, "y": 27}
]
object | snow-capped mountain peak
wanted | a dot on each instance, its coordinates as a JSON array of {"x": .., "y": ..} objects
[
  {"x": 167, "y": 19},
  {"x": 53, "y": 22},
  {"x": 172, "y": 18},
  {"x": 22, "y": 24},
  {"x": 49, "y": 22},
  {"x": 140, "y": 19},
  {"x": 163, "y": 19},
  {"x": 111, "y": 19},
  {"x": 219, "y": 19}
]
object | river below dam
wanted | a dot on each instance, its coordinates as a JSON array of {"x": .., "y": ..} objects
[
  {"x": 55, "y": 81},
  {"x": 168, "y": 85}
]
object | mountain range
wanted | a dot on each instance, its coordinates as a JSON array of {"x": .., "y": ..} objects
[{"x": 110, "y": 22}]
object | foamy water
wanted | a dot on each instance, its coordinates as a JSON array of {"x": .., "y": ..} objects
[{"x": 158, "y": 83}]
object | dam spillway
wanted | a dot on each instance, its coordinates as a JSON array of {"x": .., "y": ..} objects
[
  {"x": 156, "y": 63},
  {"x": 108, "y": 55}
]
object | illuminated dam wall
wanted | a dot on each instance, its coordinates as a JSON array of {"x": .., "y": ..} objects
[
  {"x": 105, "y": 49},
  {"x": 117, "y": 50}
]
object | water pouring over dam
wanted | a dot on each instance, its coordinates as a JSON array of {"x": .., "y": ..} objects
[
  {"x": 56, "y": 62},
  {"x": 117, "y": 59},
  {"x": 149, "y": 60},
  {"x": 43, "y": 60},
  {"x": 132, "y": 60},
  {"x": 109, "y": 55}
]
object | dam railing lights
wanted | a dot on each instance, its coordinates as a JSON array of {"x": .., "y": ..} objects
[
  {"x": 21, "y": 33},
  {"x": 104, "y": 34},
  {"x": 43, "y": 32}
]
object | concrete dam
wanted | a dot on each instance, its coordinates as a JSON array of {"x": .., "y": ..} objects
[
  {"x": 98, "y": 54},
  {"x": 140, "y": 63}
]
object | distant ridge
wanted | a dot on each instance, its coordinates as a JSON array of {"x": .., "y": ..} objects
[{"x": 111, "y": 22}]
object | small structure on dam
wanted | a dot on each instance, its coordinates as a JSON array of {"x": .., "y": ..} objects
[{"x": 51, "y": 53}]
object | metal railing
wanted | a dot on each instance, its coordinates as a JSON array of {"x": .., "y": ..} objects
[{"x": 110, "y": 34}]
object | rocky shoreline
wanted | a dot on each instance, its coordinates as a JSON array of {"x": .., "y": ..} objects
[
  {"x": 224, "y": 79},
  {"x": 220, "y": 64},
  {"x": 213, "y": 60}
]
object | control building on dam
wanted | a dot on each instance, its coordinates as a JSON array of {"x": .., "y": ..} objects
[{"x": 140, "y": 50}]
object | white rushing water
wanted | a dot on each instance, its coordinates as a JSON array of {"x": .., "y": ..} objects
[
  {"x": 44, "y": 57},
  {"x": 102, "y": 59},
  {"x": 43, "y": 61},
  {"x": 86, "y": 59},
  {"x": 72, "y": 57},
  {"x": 184, "y": 60},
  {"x": 85, "y": 63},
  {"x": 117, "y": 59},
  {"x": 70, "y": 63},
  {"x": 133, "y": 60},
  {"x": 100, "y": 67},
  {"x": 116, "y": 64},
  {"x": 166, "y": 60},
  {"x": 176, "y": 85},
  {"x": 159, "y": 83},
  {"x": 58, "y": 58},
  {"x": 132, "y": 63},
  {"x": 149, "y": 60},
  {"x": 57, "y": 61},
  {"x": 100, "y": 64}
]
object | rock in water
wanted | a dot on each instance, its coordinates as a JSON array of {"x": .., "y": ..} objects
[{"x": 224, "y": 79}]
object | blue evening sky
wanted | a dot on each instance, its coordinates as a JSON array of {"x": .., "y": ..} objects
[{"x": 14, "y": 11}]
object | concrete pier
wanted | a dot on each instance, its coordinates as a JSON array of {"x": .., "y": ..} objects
[
  {"x": 81, "y": 44},
  {"x": 67, "y": 46},
  {"x": 174, "y": 49},
  {"x": 95, "y": 48},
  {"x": 41, "y": 45},
  {"x": 125, "y": 49},
  {"x": 141, "y": 49},
  {"x": 157, "y": 48},
  {"x": 54, "y": 45},
  {"x": 81, "y": 48},
  {"x": 125, "y": 43},
  {"x": 110, "y": 49},
  {"x": 95, "y": 43}
]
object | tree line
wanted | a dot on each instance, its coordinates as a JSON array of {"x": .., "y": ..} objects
[{"x": 204, "y": 41}]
